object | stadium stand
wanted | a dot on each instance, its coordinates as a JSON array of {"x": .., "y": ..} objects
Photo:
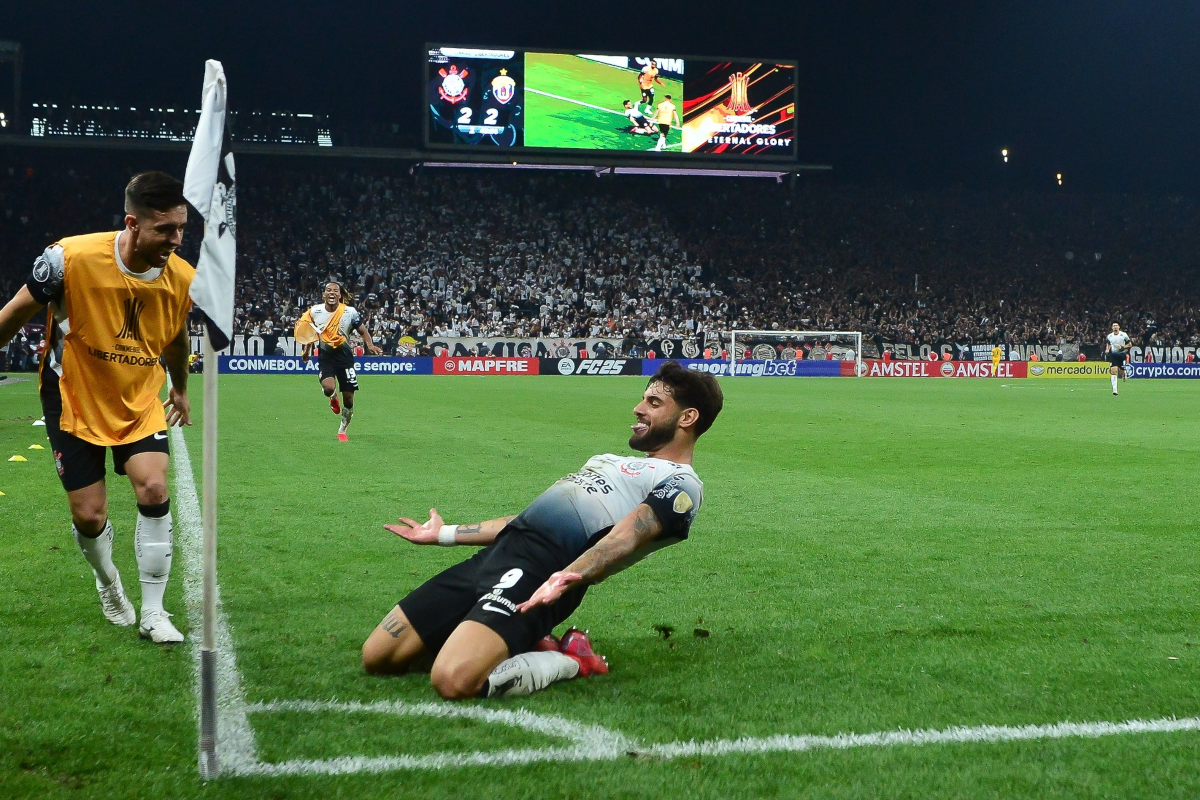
[{"x": 473, "y": 253}]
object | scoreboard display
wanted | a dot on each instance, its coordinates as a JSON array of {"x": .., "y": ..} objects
[{"x": 523, "y": 99}]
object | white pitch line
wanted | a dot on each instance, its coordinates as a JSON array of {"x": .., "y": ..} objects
[
  {"x": 589, "y": 742},
  {"x": 594, "y": 743},
  {"x": 236, "y": 748},
  {"x": 960, "y": 735}
]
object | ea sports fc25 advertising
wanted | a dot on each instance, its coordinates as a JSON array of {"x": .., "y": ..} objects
[{"x": 484, "y": 98}]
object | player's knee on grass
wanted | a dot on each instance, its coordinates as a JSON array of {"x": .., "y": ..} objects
[
  {"x": 455, "y": 679},
  {"x": 393, "y": 648},
  {"x": 465, "y": 661}
]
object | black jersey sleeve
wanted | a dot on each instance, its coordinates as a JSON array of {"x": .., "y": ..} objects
[
  {"x": 46, "y": 279},
  {"x": 675, "y": 502}
]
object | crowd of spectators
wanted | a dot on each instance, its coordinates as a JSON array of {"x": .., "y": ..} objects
[{"x": 457, "y": 253}]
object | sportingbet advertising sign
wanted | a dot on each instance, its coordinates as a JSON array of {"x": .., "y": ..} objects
[
  {"x": 487, "y": 98},
  {"x": 753, "y": 368},
  {"x": 1069, "y": 369},
  {"x": 293, "y": 365}
]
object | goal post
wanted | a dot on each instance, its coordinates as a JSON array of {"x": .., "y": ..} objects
[{"x": 795, "y": 346}]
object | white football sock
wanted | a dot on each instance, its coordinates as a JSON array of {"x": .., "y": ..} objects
[
  {"x": 153, "y": 542},
  {"x": 1114, "y": 382},
  {"x": 98, "y": 552},
  {"x": 347, "y": 415},
  {"x": 529, "y": 673}
]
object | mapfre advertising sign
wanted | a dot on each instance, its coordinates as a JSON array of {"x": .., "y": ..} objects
[
  {"x": 936, "y": 369},
  {"x": 456, "y": 365}
]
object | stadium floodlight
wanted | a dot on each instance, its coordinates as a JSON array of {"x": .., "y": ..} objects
[{"x": 790, "y": 346}]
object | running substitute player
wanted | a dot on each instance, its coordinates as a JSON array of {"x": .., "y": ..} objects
[
  {"x": 486, "y": 621},
  {"x": 1116, "y": 353},
  {"x": 333, "y": 320},
  {"x": 118, "y": 302}
]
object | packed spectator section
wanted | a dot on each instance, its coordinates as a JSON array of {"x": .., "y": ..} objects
[{"x": 437, "y": 253}]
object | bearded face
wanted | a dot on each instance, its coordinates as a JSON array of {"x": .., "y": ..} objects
[{"x": 657, "y": 420}]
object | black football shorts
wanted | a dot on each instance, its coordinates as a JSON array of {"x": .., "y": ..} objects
[{"x": 488, "y": 587}]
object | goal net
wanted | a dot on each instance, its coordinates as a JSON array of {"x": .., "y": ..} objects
[{"x": 796, "y": 346}]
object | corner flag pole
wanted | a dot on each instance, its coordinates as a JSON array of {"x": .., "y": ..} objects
[
  {"x": 209, "y": 186},
  {"x": 209, "y": 767}
]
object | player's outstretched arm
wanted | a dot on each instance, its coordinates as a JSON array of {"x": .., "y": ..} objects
[
  {"x": 16, "y": 313},
  {"x": 435, "y": 531},
  {"x": 637, "y": 530}
]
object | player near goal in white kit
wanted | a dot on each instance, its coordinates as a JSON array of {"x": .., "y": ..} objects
[
  {"x": 326, "y": 326},
  {"x": 486, "y": 622},
  {"x": 1116, "y": 352}
]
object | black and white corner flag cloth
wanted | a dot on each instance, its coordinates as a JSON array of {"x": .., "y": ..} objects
[{"x": 209, "y": 187}]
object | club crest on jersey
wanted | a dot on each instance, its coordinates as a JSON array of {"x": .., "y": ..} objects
[
  {"x": 504, "y": 88},
  {"x": 454, "y": 88},
  {"x": 634, "y": 468}
]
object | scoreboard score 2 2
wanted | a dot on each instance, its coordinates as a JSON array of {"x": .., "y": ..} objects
[{"x": 485, "y": 97}]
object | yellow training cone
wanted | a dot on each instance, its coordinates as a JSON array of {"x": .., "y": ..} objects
[
  {"x": 36, "y": 447},
  {"x": 18, "y": 458}
]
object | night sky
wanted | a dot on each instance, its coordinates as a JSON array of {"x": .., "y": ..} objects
[{"x": 1106, "y": 92}]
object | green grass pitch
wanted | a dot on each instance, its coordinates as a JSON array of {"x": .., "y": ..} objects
[
  {"x": 872, "y": 555},
  {"x": 581, "y": 89}
]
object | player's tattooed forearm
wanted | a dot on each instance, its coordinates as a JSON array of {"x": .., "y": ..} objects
[
  {"x": 476, "y": 528},
  {"x": 394, "y": 625},
  {"x": 646, "y": 523}
]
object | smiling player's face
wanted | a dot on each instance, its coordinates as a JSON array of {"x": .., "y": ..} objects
[
  {"x": 333, "y": 294},
  {"x": 657, "y": 419},
  {"x": 158, "y": 234}
]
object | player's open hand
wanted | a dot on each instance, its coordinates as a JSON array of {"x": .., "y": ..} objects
[
  {"x": 416, "y": 532},
  {"x": 549, "y": 592},
  {"x": 179, "y": 408}
]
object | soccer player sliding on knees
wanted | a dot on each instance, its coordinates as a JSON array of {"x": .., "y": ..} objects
[{"x": 485, "y": 623}]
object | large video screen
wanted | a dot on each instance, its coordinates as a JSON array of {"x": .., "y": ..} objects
[{"x": 495, "y": 98}]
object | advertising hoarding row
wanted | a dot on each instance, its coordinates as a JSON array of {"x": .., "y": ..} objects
[{"x": 872, "y": 368}]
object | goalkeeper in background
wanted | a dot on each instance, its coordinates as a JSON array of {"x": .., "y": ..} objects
[{"x": 997, "y": 354}]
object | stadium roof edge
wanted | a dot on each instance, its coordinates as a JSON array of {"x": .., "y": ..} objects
[{"x": 607, "y": 166}]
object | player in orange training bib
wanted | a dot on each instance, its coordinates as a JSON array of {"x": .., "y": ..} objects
[{"x": 118, "y": 303}]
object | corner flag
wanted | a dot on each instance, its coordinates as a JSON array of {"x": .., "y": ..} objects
[{"x": 209, "y": 187}]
